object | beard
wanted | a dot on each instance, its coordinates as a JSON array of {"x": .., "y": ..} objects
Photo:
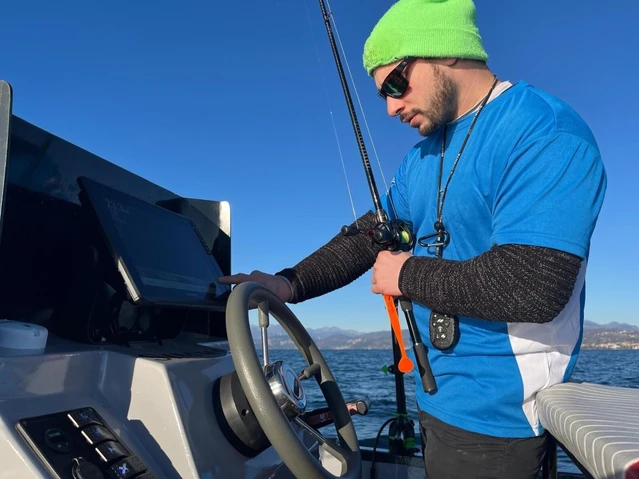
[{"x": 443, "y": 104}]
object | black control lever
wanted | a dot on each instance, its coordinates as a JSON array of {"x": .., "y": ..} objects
[{"x": 318, "y": 418}]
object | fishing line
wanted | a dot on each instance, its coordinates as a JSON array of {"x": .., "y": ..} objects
[
  {"x": 330, "y": 109},
  {"x": 361, "y": 107}
]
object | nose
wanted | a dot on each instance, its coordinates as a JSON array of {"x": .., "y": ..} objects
[{"x": 394, "y": 106}]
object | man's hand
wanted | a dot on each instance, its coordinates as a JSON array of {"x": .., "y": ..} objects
[
  {"x": 277, "y": 284},
  {"x": 386, "y": 272}
]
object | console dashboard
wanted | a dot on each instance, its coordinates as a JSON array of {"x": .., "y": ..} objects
[
  {"x": 79, "y": 444},
  {"x": 141, "y": 412}
]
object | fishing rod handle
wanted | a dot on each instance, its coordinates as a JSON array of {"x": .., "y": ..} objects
[
  {"x": 425, "y": 373},
  {"x": 423, "y": 366}
]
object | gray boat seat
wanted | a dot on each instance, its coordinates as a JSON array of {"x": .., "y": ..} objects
[{"x": 598, "y": 424}]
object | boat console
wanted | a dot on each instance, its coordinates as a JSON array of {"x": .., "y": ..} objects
[{"x": 121, "y": 355}]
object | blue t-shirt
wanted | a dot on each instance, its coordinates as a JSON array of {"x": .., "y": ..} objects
[{"x": 531, "y": 174}]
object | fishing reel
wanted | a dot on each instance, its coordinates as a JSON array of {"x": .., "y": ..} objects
[{"x": 394, "y": 235}]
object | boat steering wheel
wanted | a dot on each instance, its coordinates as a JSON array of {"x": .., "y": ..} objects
[{"x": 275, "y": 392}]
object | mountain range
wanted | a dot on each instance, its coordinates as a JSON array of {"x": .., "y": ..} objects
[
  {"x": 595, "y": 335},
  {"x": 612, "y": 326}
]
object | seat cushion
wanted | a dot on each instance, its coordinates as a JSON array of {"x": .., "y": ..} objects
[{"x": 598, "y": 424}]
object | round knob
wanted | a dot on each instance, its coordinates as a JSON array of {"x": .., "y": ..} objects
[{"x": 85, "y": 470}]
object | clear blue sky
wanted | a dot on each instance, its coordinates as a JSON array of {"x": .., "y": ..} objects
[{"x": 230, "y": 101}]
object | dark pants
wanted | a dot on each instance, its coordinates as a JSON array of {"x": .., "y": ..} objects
[{"x": 450, "y": 453}]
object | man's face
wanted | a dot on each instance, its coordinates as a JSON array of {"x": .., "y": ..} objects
[{"x": 429, "y": 99}]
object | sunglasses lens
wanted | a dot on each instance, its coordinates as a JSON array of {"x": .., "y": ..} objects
[{"x": 394, "y": 86}]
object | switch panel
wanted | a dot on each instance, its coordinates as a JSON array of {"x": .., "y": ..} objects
[{"x": 78, "y": 444}]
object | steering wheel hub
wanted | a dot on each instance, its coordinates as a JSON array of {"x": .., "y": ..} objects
[{"x": 286, "y": 387}]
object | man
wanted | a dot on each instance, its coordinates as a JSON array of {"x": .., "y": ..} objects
[{"x": 502, "y": 196}]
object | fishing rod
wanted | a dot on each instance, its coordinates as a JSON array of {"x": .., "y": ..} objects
[{"x": 393, "y": 235}]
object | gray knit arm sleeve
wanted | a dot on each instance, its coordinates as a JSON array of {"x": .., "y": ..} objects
[
  {"x": 339, "y": 262},
  {"x": 511, "y": 283}
]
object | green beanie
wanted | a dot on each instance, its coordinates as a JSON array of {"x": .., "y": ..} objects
[{"x": 427, "y": 29}]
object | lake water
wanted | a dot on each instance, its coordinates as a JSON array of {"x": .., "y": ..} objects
[{"x": 359, "y": 373}]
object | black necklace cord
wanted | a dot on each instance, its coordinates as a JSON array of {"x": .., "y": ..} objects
[
  {"x": 444, "y": 328},
  {"x": 441, "y": 235}
]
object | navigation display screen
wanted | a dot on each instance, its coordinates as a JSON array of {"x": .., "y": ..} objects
[{"x": 160, "y": 254}]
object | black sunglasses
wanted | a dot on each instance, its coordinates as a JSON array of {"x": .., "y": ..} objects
[{"x": 395, "y": 84}]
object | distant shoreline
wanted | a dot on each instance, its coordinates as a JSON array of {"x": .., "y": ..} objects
[{"x": 596, "y": 337}]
